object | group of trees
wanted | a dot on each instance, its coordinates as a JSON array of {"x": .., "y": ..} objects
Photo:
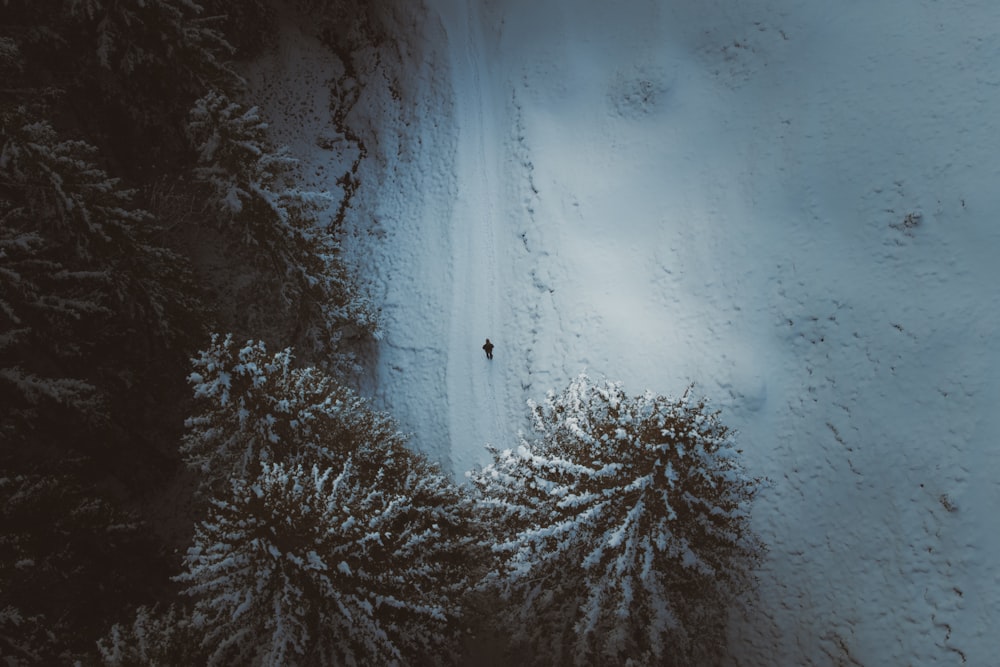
[
  {"x": 135, "y": 187},
  {"x": 136, "y": 181},
  {"x": 326, "y": 540},
  {"x": 618, "y": 534}
]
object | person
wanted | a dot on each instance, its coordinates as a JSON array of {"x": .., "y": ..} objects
[{"x": 489, "y": 349}]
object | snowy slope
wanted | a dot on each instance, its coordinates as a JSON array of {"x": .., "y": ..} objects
[
  {"x": 719, "y": 194},
  {"x": 790, "y": 203}
]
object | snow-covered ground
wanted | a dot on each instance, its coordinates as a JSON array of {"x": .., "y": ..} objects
[{"x": 790, "y": 203}]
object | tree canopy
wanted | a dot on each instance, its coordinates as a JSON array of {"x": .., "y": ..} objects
[{"x": 624, "y": 527}]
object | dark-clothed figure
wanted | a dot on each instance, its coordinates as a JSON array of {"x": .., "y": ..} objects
[{"x": 489, "y": 349}]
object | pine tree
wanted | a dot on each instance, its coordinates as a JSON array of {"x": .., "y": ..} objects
[
  {"x": 625, "y": 528},
  {"x": 91, "y": 218},
  {"x": 324, "y": 567},
  {"x": 34, "y": 305},
  {"x": 11, "y": 60},
  {"x": 79, "y": 274},
  {"x": 91, "y": 308},
  {"x": 136, "y": 35},
  {"x": 128, "y": 67},
  {"x": 59, "y": 541},
  {"x": 333, "y": 543},
  {"x": 94, "y": 310},
  {"x": 256, "y": 407},
  {"x": 247, "y": 25},
  {"x": 160, "y": 637},
  {"x": 254, "y": 190},
  {"x": 153, "y": 49}
]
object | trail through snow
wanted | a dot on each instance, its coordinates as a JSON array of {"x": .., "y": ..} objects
[{"x": 477, "y": 387}]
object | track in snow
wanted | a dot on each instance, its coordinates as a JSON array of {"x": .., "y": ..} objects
[{"x": 476, "y": 387}]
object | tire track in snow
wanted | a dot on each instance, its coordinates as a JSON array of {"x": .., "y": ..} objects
[{"x": 475, "y": 404}]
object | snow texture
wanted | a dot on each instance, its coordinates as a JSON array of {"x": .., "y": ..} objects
[{"x": 789, "y": 202}]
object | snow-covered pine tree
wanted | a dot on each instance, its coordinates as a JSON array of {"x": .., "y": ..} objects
[
  {"x": 255, "y": 190},
  {"x": 334, "y": 544},
  {"x": 256, "y": 407},
  {"x": 34, "y": 297},
  {"x": 625, "y": 528},
  {"x": 160, "y": 637},
  {"x": 156, "y": 42},
  {"x": 58, "y": 190},
  {"x": 78, "y": 272},
  {"x": 235, "y": 158},
  {"x": 128, "y": 67},
  {"x": 58, "y": 180},
  {"x": 247, "y": 25},
  {"x": 59, "y": 540},
  {"x": 322, "y": 567},
  {"x": 11, "y": 60}
]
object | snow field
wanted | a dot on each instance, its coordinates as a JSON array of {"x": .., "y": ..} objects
[
  {"x": 787, "y": 202},
  {"x": 722, "y": 196}
]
